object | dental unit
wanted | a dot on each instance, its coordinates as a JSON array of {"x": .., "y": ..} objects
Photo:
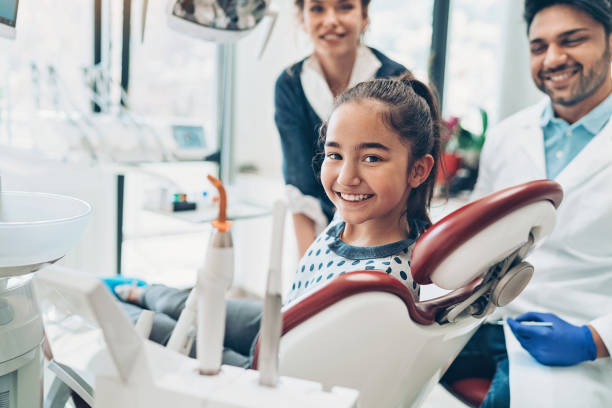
[{"x": 90, "y": 334}]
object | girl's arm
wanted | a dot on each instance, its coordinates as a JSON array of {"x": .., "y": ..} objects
[{"x": 304, "y": 232}]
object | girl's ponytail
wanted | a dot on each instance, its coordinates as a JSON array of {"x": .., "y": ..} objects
[{"x": 422, "y": 195}]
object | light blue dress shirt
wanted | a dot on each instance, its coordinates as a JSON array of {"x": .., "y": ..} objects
[{"x": 563, "y": 142}]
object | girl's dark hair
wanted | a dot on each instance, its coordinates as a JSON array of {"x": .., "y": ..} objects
[
  {"x": 599, "y": 10},
  {"x": 300, "y": 4},
  {"x": 411, "y": 111}
]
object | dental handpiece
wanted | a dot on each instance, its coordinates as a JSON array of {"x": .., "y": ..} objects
[{"x": 214, "y": 279}]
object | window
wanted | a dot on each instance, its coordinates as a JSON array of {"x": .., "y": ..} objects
[
  {"x": 402, "y": 30},
  {"x": 171, "y": 74},
  {"x": 35, "y": 82},
  {"x": 472, "y": 60}
]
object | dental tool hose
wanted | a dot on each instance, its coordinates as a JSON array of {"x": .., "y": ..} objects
[
  {"x": 271, "y": 324},
  {"x": 214, "y": 279}
]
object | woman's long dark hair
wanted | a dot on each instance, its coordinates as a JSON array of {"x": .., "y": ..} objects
[{"x": 412, "y": 112}]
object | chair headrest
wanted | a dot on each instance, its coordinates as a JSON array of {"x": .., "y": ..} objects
[{"x": 440, "y": 254}]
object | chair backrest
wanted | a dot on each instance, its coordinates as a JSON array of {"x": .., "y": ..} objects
[{"x": 364, "y": 330}]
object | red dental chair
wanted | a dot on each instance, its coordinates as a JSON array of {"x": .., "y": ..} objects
[{"x": 364, "y": 330}]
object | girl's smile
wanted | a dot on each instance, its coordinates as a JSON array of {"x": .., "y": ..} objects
[{"x": 354, "y": 197}]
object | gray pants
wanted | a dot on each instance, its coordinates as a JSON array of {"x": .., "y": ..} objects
[{"x": 241, "y": 322}]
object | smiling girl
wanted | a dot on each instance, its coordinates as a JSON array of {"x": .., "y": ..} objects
[
  {"x": 304, "y": 96},
  {"x": 381, "y": 145}
]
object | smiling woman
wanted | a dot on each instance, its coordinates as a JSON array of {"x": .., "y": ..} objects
[{"x": 304, "y": 96}]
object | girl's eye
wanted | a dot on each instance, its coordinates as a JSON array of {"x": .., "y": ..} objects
[
  {"x": 316, "y": 9},
  {"x": 333, "y": 156},
  {"x": 347, "y": 6},
  {"x": 372, "y": 159}
]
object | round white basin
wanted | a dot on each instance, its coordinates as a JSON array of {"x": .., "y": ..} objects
[{"x": 36, "y": 228}]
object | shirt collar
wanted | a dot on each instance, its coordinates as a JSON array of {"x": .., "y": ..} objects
[
  {"x": 381, "y": 251},
  {"x": 593, "y": 121},
  {"x": 315, "y": 86}
]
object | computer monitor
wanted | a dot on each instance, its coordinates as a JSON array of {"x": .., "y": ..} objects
[{"x": 8, "y": 18}]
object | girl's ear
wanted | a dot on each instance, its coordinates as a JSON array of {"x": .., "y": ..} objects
[{"x": 420, "y": 170}]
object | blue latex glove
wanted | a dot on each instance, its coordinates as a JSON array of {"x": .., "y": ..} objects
[
  {"x": 113, "y": 282},
  {"x": 562, "y": 344}
]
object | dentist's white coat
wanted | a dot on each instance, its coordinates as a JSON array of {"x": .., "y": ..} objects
[{"x": 573, "y": 268}]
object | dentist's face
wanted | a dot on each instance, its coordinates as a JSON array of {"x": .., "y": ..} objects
[
  {"x": 570, "y": 56},
  {"x": 334, "y": 26}
]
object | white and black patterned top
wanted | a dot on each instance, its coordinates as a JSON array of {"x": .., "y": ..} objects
[{"x": 329, "y": 257}]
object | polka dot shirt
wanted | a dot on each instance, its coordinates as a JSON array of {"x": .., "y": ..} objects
[{"x": 329, "y": 257}]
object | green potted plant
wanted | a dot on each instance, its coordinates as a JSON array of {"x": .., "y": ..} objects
[{"x": 461, "y": 153}]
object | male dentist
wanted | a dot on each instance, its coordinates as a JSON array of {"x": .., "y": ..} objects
[{"x": 564, "y": 362}]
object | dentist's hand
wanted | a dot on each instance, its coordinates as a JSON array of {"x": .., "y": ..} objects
[{"x": 561, "y": 344}]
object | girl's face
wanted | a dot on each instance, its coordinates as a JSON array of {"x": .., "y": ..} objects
[
  {"x": 334, "y": 26},
  {"x": 367, "y": 171}
]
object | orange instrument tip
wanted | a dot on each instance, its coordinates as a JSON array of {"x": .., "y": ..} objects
[{"x": 221, "y": 223}]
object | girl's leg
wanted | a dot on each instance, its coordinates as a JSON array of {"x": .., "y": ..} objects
[
  {"x": 163, "y": 299},
  {"x": 163, "y": 325},
  {"x": 242, "y": 321}
]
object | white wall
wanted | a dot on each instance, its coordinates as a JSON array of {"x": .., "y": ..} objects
[{"x": 516, "y": 87}]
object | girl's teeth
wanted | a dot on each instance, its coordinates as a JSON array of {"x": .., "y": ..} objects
[{"x": 354, "y": 197}]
